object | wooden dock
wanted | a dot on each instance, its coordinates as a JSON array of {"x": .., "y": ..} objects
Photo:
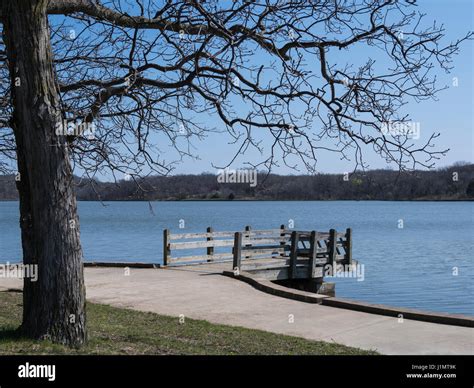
[{"x": 295, "y": 257}]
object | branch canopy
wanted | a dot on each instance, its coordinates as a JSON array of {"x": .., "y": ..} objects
[{"x": 287, "y": 79}]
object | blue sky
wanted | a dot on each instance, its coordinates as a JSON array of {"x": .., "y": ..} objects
[{"x": 451, "y": 115}]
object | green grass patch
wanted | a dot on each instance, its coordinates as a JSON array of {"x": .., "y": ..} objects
[{"x": 121, "y": 331}]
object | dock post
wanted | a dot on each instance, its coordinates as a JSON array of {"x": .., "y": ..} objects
[
  {"x": 282, "y": 238},
  {"x": 313, "y": 249},
  {"x": 332, "y": 249},
  {"x": 210, "y": 250},
  {"x": 293, "y": 254},
  {"x": 166, "y": 250},
  {"x": 348, "y": 246},
  {"x": 237, "y": 251},
  {"x": 248, "y": 228}
]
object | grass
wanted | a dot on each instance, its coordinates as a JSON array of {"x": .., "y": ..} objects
[{"x": 128, "y": 332}]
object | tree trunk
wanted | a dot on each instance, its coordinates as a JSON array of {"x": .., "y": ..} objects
[{"x": 54, "y": 305}]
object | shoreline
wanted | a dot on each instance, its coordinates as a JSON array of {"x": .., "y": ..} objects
[
  {"x": 348, "y": 303},
  {"x": 462, "y": 320}
]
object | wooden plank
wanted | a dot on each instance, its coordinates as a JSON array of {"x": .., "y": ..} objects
[
  {"x": 255, "y": 262},
  {"x": 229, "y": 256},
  {"x": 302, "y": 233},
  {"x": 260, "y": 241},
  {"x": 201, "y": 244},
  {"x": 306, "y": 233},
  {"x": 332, "y": 247},
  {"x": 256, "y": 232},
  {"x": 313, "y": 249},
  {"x": 293, "y": 253},
  {"x": 264, "y": 256},
  {"x": 166, "y": 248},
  {"x": 266, "y": 247},
  {"x": 214, "y": 257},
  {"x": 200, "y": 262},
  {"x": 186, "y": 236},
  {"x": 276, "y": 232},
  {"x": 237, "y": 251},
  {"x": 283, "y": 261},
  {"x": 219, "y": 243}
]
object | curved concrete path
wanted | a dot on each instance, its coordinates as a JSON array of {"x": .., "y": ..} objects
[{"x": 200, "y": 292}]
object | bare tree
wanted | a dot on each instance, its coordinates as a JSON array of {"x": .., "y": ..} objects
[{"x": 135, "y": 74}]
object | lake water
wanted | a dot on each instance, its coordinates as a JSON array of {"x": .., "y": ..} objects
[{"x": 427, "y": 264}]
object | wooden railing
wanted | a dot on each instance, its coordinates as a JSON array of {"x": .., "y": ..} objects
[
  {"x": 311, "y": 249},
  {"x": 212, "y": 240}
]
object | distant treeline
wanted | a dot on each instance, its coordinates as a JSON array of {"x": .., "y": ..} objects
[{"x": 450, "y": 183}]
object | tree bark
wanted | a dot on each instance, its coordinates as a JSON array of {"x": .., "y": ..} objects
[{"x": 54, "y": 305}]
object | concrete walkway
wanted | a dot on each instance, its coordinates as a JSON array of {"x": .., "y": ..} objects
[{"x": 199, "y": 292}]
